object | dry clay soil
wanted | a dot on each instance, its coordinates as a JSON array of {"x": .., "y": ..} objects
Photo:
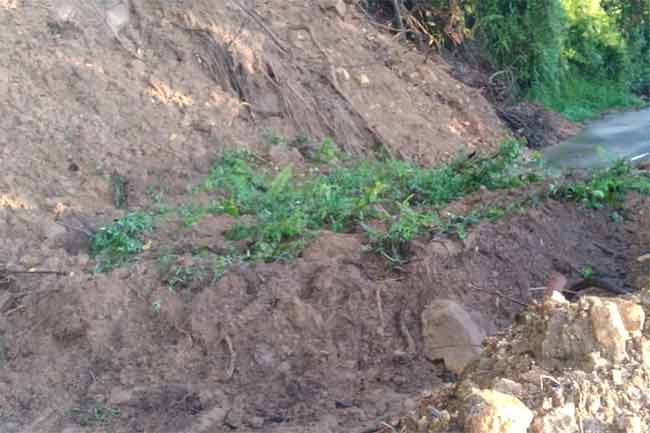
[{"x": 308, "y": 346}]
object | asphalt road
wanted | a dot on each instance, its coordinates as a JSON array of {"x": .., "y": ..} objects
[{"x": 616, "y": 136}]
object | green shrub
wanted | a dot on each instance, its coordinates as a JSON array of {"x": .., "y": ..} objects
[
  {"x": 579, "y": 57},
  {"x": 117, "y": 243}
]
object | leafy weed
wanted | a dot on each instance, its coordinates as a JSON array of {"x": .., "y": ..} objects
[{"x": 117, "y": 243}]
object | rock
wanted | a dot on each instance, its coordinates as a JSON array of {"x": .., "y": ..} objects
[
  {"x": 508, "y": 386},
  {"x": 343, "y": 73},
  {"x": 29, "y": 261},
  {"x": 338, "y": 5},
  {"x": 450, "y": 334},
  {"x": 363, "y": 80},
  {"x": 117, "y": 17},
  {"x": 211, "y": 420},
  {"x": 559, "y": 420},
  {"x": 609, "y": 329},
  {"x": 573, "y": 333},
  {"x": 121, "y": 395},
  {"x": 557, "y": 297},
  {"x": 256, "y": 422},
  {"x": 487, "y": 411},
  {"x": 340, "y": 8},
  {"x": 632, "y": 315}
]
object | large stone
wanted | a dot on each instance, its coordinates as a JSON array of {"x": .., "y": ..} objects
[
  {"x": 487, "y": 411},
  {"x": 450, "y": 334},
  {"x": 633, "y": 316},
  {"x": 609, "y": 329},
  {"x": 594, "y": 329}
]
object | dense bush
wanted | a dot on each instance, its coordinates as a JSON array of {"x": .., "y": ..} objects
[{"x": 577, "y": 56}]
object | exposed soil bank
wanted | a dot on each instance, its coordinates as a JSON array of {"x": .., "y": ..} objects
[
  {"x": 330, "y": 343},
  {"x": 317, "y": 345}
]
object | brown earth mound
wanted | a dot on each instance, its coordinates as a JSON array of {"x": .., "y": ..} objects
[
  {"x": 332, "y": 342},
  {"x": 153, "y": 90}
]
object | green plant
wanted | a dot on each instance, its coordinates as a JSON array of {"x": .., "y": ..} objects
[
  {"x": 616, "y": 217},
  {"x": 393, "y": 243},
  {"x": 117, "y": 243},
  {"x": 604, "y": 187},
  {"x": 286, "y": 210},
  {"x": 327, "y": 151},
  {"x": 578, "y": 57},
  {"x": 118, "y": 187},
  {"x": 587, "y": 272},
  {"x": 186, "y": 274},
  {"x": 96, "y": 415}
]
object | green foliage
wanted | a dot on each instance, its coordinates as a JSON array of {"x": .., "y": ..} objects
[
  {"x": 117, "y": 243},
  {"x": 278, "y": 211},
  {"x": 97, "y": 415},
  {"x": 587, "y": 272},
  {"x": 327, "y": 151},
  {"x": 393, "y": 243},
  {"x": 579, "y": 57},
  {"x": 579, "y": 99},
  {"x": 186, "y": 274},
  {"x": 524, "y": 36},
  {"x": 286, "y": 210},
  {"x": 605, "y": 187}
]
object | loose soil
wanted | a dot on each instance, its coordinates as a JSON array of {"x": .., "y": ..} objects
[{"x": 317, "y": 345}]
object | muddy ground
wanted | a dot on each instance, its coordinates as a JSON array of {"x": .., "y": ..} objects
[{"x": 328, "y": 343}]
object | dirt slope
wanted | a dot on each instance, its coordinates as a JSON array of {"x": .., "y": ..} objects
[
  {"x": 155, "y": 88},
  {"x": 329, "y": 343}
]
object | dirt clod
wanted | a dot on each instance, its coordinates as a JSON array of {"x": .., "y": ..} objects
[
  {"x": 450, "y": 334},
  {"x": 487, "y": 411}
]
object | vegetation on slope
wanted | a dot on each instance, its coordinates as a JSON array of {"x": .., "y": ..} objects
[
  {"x": 393, "y": 202},
  {"x": 578, "y": 57}
]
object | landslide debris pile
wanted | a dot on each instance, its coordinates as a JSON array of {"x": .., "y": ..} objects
[{"x": 564, "y": 367}]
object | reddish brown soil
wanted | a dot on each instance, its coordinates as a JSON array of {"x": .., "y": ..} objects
[
  {"x": 303, "y": 335},
  {"x": 155, "y": 104}
]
